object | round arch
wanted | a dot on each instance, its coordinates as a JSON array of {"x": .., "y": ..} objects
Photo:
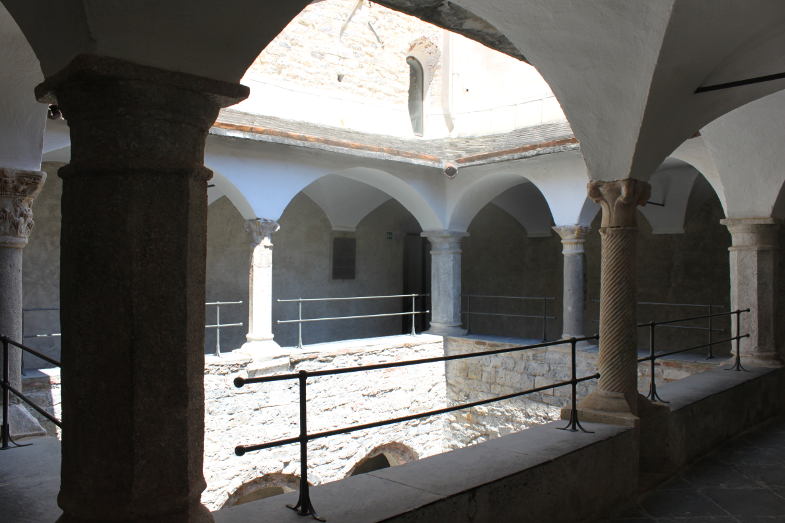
[
  {"x": 265, "y": 486},
  {"x": 384, "y": 456}
]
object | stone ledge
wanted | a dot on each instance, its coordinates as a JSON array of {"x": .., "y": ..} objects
[{"x": 541, "y": 474}]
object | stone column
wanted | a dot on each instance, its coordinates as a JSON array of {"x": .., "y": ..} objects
[
  {"x": 133, "y": 247},
  {"x": 446, "y": 282},
  {"x": 617, "y": 391},
  {"x": 260, "y": 289},
  {"x": 753, "y": 285},
  {"x": 573, "y": 238},
  {"x": 18, "y": 189}
]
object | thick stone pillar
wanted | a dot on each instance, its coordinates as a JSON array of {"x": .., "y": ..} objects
[
  {"x": 133, "y": 246},
  {"x": 753, "y": 285},
  {"x": 617, "y": 391},
  {"x": 18, "y": 189},
  {"x": 446, "y": 282},
  {"x": 573, "y": 238},
  {"x": 260, "y": 289}
]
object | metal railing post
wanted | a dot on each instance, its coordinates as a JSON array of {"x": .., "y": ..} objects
[
  {"x": 653, "y": 396},
  {"x": 304, "y": 507},
  {"x": 574, "y": 425},
  {"x": 544, "y": 319},
  {"x": 300, "y": 323},
  {"x": 414, "y": 332},
  {"x": 710, "y": 354},
  {"x": 6, "y": 429},
  {"x": 737, "y": 364}
]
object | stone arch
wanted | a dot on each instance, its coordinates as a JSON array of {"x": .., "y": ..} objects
[
  {"x": 485, "y": 190},
  {"x": 384, "y": 456},
  {"x": 266, "y": 486}
]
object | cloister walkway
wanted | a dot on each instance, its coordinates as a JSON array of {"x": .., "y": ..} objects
[{"x": 742, "y": 481}]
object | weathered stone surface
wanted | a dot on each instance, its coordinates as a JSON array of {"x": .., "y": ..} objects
[{"x": 134, "y": 203}]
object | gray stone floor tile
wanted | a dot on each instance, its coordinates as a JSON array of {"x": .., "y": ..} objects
[
  {"x": 680, "y": 503},
  {"x": 748, "y": 502}
]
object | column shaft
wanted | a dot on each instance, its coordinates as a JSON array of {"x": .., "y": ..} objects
[
  {"x": 446, "y": 282},
  {"x": 616, "y": 391},
  {"x": 133, "y": 246},
  {"x": 753, "y": 285},
  {"x": 574, "y": 286},
  {"x": 18, "y": 189},
  {"x": 260, "y": 288}
]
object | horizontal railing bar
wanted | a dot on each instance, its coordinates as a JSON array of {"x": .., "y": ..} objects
[
  {"x": 344, "y": 298},
  {"x": 223, "y": 303},
  {"x": 242, "y": 449},
  {"x": 539, "y": 298},
  {"x": 703, "y": 305},
  {"x": 696, "y": 347},
  {"x": 540, "y": 316},
  {"x": 691, "y": 327},
  {"x": 310, "y": 320},
  {"x": 223, "y": 325},
  {"x": 24, "y": 398},
  {"x": 41, "y": 309},
  {"x": 50, "y": 335},
  {"x": 28, "y": 349},
  {"x": 714, "y": 315},
  {"x": 239, "y": 382}
]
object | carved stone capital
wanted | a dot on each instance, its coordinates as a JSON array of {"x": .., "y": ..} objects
[
  {"x": 18, "y": 189},
  {"x": 573, "y": 237},
  {"x": 758, "y": 234},
  {"x": 619, "y": 200},
  {"x": 261, "y": 231},
  {"x": 445, "y": 242}
]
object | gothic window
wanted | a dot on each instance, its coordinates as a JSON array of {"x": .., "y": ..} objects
[{"x": 416, "y": 94}]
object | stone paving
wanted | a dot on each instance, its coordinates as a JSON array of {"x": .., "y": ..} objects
[{"x": 743, "y": 481}]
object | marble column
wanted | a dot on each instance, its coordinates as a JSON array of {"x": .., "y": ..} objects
[
  {"x": 18, "y": 189},
  {"x": 573, "y": 238},
  {"x": 260, "y": 289},
  {"x": 753, "y": 285},
  {"x": 133, "y": 247},
  {"x": 617, "y": 390},
  {"x": 446, "y": 282}
]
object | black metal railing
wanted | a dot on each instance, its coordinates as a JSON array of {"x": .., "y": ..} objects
[
  {"x": 542, "y": 315},
  {"x": 300, "y": 320},
  {"x": 303, "y": 505},
  {"x": 8, "y": 389},
  {"x": 654, "y": 356}
]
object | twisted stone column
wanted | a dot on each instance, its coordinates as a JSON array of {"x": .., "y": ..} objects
[
  {"x": 753, "y": 285},
  {"x": 616, "y": 391},
  {"x": 18, "y": 189},
  {"x": 446, "y": 282},
  {"x": 133, "y": 247},
  {"x": 260, "y": 288},
  {"x": 573, "y": 238}
]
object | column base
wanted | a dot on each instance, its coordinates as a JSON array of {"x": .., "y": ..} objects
[
  {"x": 22, "y": 423},
  {"x": 612, "y": 408},
  {"x": 440, "y": 329},
  {"x": 262, "y": 349},
  {"x": 765, "y": 359}
]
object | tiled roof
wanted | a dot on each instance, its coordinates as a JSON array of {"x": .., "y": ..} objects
[{"x": 527, "y": 141}]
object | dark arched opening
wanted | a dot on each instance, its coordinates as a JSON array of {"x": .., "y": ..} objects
[{"x": 416, "y": 94}]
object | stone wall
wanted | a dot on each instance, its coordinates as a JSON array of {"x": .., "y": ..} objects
[
  {"x": 265, "y": 412},
  {"x": 497, "y": 375}
]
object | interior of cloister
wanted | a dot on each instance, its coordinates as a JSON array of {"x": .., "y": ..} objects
[{"x": 201, "y": 204}]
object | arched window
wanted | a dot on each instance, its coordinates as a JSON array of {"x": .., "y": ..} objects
[
  {"x": 382, "y": 457},
  {"x": 416, "y": 94},
  {"x": 267, "y": 486}
]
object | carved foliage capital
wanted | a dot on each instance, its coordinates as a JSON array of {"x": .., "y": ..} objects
[
  {"x": 18, "y": 189},
  {"x": 572, "y": 237},
  {"x": 619, "y": 200},
  {"x": 261, "y": 231}
]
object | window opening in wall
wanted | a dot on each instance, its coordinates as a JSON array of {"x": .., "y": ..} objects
[
  {"x": 344, "y": 258},
  {"x": 369, "y": 465},
  {"x": 416, "y": 94}
]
